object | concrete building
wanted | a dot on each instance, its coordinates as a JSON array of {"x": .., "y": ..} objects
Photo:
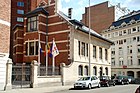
[
  {"x": 45, "y": 22},
  {"x": 5, "y": 26},
  {"x": 102, "y": 15},
  {"x": 125, "y": 33}
]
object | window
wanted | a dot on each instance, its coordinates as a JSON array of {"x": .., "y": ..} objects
[
  {"x": 120, "y": 51},
  {"x": 129, "y": 31},
  {"x": 19, "y": 19},
  {"x": 129, "y": 49},
  {"x": 94, "y": 51},
  {"x": 94, "y": 70},
  {"x": 134, "y": 29},
  {"x": 80, "y": 70},
  {"x": 83, "y": 49},
  {"x": 138, "y": 28},
  {"x": 120, "y": 62},
  {"x": 100, "y": 53},
  {"x": 113, "y": 51},
  {"x": 106, "y": 71},
  {"x": 32, "y": 24},
  {"x": 106, "y": 54},
  {"x": 138, "y": 48},
  {"x": 20, "y": 4},
  {"x": 130, "y": 62},
  {"x": 32, "y": 48},
  {"x": 87, "y": 50},
  {"x": 138, "y": 61},
  {"x": 124, "y": 31},
  {"x": 138, "y": 38},
  {"x": 120, "y": 33},
  {"x": 20, "y": 11},
  {"x": 79, "y": 47},
  {"x": 112, "y": 61},
  {"x": 86, "y": 70}
]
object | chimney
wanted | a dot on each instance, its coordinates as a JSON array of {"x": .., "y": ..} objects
[{"x": 70, "y": 13}]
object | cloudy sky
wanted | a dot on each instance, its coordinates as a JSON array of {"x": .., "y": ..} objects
[{"x": 79, "y": 5}]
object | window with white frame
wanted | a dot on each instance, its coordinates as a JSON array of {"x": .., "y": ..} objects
[
  {"x": 94, "y": 70},
  {"x": 112, "y": 51},
  {"x": 138, "y": 48},
  {"x": 120, "y": 51},
  {"x": 129, "y": 49},
  {"x": 120, "y": 62},
  {"x": 87, "y": 49},
  {"x": 20, "y": 11},
  {"x": 106, "y": 54},
  {"x": 129, "y": 31},
  {"x": 129, "y": 61},
  {"x": 112, "y": 61},
  {"x": 138, "y": 28},
  {"x": 94, "y": 51},
  {"x": 138, "y": 61},
  {"x": 32, "y": 24},
  {"x": 21, "y": 4},
  {"x": 100, "y": 53},
  {"x": 80, "y": 70},
  {"x": 83, "y": 49},
  {"x": 20, "y": 19},
  {"x": 32, "y": 48},
  {"x": 86, "y": 70}
]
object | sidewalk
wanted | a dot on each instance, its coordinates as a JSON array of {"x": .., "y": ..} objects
[{"x": 39, "y": 89}]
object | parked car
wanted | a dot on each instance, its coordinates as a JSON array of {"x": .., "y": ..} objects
[
  {"x": 137, "y": 90},
  {"x": 87, "y": 82},
  {"x": 121, "y": 80},
  {"x": 106, "y": 81},
  {"x": 131, "y": 79}
]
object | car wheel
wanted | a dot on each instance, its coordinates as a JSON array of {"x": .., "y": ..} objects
[
  {"x": 122, "y": 83},
  {"x": 107, "y": 85},
  {"x": 114, "y": 84},
  {"x": 89, "y": 86},
  {"x": 99, "y": 85}
]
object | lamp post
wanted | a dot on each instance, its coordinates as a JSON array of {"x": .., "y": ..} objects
[{"x": 89, "y": 67}]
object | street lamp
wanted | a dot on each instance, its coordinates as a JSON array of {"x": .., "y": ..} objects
[{"x": 89, "y": 39}]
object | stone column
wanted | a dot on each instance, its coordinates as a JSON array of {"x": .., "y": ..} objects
[
  {"x": 34, "y": 67},
  {"x": 8, "y": 84}
]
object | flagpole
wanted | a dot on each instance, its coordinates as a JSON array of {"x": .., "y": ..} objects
[
  {"x": 89, "y": 41},
  {"x": 39, "y": 55},
  {"x": 53, "y": 61},
  {"x": 46, "y": 56}
]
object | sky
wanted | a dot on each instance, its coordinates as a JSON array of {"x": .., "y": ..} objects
[{"x": 79, "y": 5}]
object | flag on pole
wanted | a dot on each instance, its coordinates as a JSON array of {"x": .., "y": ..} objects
[
  {"x": 40, "y": 49},
  {"x": 54, "y": 49}
]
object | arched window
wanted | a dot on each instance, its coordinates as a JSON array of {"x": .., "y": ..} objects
[
  {"x": 101, "y": 71},
  {"x": 80, "y": 70},
  {"x": 86, "y": 70},
  {"x": 94, "y": 70},
  {"x": 106, "y": 71}
]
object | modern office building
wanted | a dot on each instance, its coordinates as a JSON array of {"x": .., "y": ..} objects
[
  {"x": 125, "y": 33},
  {"x": 5, "y": 26}
]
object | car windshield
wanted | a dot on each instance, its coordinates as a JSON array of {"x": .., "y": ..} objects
[
  {"x": 119, "y": 77},
  {"x": 84, "y": 78}
]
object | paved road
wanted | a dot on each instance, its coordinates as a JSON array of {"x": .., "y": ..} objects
[{"x": 117, "y": 89}]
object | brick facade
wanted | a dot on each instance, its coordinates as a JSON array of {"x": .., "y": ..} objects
[
  {"x": 5, "y": 26},
  {"x": 101, "y": 16}
]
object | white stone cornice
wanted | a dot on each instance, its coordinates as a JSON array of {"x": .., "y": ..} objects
[
  {"x": 56, "y": 23},
  {"x": 4, "y": 22},
  {"x": 58, "y": 32}
]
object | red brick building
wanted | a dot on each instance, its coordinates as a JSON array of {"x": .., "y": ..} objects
[
  {"x": 5, "y": 26},
  {"x": 101, "y": 16},
  {"x": 47, "y": 24}
]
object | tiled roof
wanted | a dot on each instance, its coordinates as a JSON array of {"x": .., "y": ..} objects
[{"x": 80, "y": 26}]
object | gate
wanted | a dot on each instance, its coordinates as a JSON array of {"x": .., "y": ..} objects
[{"x": 21, "y": 76}]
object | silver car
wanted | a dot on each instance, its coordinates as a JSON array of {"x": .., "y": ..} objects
[{"x": 87, "y": 82}]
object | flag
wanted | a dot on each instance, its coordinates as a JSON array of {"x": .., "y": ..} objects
[
  {"x": 54, "y": 50},
  {"x": 48, "y": 50},
  {"x": 40, "y": 49}
]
